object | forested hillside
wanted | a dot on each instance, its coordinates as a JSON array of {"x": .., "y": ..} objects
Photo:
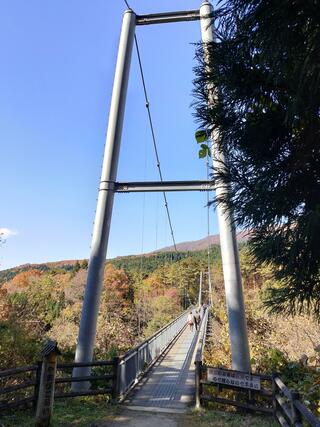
[{"x": 141, "y": 294}]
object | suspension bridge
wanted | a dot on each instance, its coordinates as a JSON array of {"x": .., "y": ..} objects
[
  {"x": 170, "y": 383},
  {"x": 165, "y": 373},
  {"x": 170, "y": 354},
  {"x": 109, "y": 187}
]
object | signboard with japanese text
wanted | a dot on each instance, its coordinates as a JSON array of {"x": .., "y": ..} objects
[{"x": 233, "y": 378}]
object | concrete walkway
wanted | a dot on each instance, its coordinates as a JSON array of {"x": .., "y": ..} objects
[
  {"x": 170, "y": 385},
  {"x": 129, "y": 418}
]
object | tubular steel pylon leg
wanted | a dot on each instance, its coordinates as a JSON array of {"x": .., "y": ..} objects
[
  {"x": 90, "y": 309},
  {"x": 228, "y": 242}
]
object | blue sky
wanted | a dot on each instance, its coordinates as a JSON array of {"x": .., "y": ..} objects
[{"x": 56, "y": 79}]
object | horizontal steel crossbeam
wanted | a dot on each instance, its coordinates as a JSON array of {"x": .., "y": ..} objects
[
  {"x": 167, "y": 17},
  {"x": 153, "y": 186}
]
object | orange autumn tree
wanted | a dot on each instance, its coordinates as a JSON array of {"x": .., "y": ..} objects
[
  {"x": 156, "y": 300},
  {"x": 115, "y": 331},
  {"x": 4, "y": 304},
  {"x": 22, "y": 280}
]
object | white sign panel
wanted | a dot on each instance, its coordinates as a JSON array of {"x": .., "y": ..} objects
[{"x": 233, "y": 378}]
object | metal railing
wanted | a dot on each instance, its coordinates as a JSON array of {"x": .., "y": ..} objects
[
  {"x": 202, "y": 335},
  {"x": 134, "y": 363},
  {"x": 199, "y": 355}
]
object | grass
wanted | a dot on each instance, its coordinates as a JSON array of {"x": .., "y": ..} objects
[
  {"x": 88, "y": 411},
  {"x": 223, "y": 419},
  {"x": 78, "y": 412}
]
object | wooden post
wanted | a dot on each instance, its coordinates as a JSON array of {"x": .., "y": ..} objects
[
  {"x": 198, "y": 376},
  {"x": 47, "y": 382},
  {"x": 115, "y": 379},
  {"x": 37, "y": 385},
  {"x": 295, "y": 414},
  {"x": 274, "y": 392}
]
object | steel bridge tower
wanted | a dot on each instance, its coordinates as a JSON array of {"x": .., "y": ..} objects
[{"x": 109, "y": 186}]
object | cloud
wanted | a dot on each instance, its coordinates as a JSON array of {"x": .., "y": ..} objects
[{"x": 5, "y": 233}]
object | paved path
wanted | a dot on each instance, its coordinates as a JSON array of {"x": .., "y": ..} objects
[
  {"x": 129, "y": 418},
  {"x": 169, "y": 387}
]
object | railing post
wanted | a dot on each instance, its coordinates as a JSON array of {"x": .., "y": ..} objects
[
  {"x": 274, "y": 392},
  {"x": 47, "y": 382},
  {"x": 198, "y": 376},
  {"x": 121, "y": 377},
  {"x": 115, "y": 379},
  {"x": 295, "y": 414},
  {"x": 37, "y": 385},
  {"x": 136, "y": 361}
]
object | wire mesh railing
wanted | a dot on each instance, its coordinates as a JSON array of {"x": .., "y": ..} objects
[{"x": 134, "y": 363}]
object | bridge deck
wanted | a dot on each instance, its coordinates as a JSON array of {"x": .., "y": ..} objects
[{"x": 170, "y": 384}]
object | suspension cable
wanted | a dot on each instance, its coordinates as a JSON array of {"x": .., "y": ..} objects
[
  {"x": 127, "y": 4},
  {"x": 147, "y": 103},
  {"x": 154, "y": 138}
]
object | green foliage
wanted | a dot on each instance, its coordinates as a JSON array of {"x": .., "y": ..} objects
[
  {"x": 18, "y": 347},
  {"x": 84, "y": 412},
  {"x": 134, "y": 304},
  {"x": 265, "y": 68},
  {"x": 210, "y": 418},
  {"x": 40, "y": 301},
  {"x": 148, "y": 263},
  {"x": 204, "y": 151},
  {"x": 84, "y": 264},
  {"x": 295, "y": 375},
  {"x": 80, "y": 412},
  {"x": 164, "y": 308},
  {"x": 273, "y": 360},
  {"x": 76, "y": 267},
  {"x": 201, "y": 136}
]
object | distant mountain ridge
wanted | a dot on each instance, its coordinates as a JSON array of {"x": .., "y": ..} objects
[
  {"x": 198, "y": 245},
  {"x": 190, "y": 246}
]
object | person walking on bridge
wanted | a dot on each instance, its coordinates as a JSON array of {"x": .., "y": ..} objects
[
  {"x": 202, "y": 310},
  {"x": 194, "y": 312},
  {"x": 190, "y": 321},
  {"x": 197, "y": 319}
]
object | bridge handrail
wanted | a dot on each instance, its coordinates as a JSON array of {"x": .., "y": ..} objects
[
  {"x": 135, "y": 361},
  {"x": 133, "y": 349},
  {"x": 202, "y": 336}
]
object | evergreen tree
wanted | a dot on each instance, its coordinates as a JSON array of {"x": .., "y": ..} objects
[{"x": 266, "y": 70}]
